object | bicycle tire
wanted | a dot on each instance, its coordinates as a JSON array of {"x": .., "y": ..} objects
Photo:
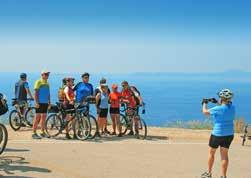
[
  {"x": 29, "y": 121},
  {"x": 94, "y": 127},
  {"x": 142, "y": 128},
  {"x": 124, "y": 124},
  {"x": 13, "y": 121},
  {"x": 82, "y": 128},
  {"x": 53, "y": 123},
  {"x": 3, "y": 138}
]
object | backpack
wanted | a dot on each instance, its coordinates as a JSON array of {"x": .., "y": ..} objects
[
  {"x": 3, "y": 105},
  {"x": 135, "y": 90},
  {"x": 61, "y": 94}
]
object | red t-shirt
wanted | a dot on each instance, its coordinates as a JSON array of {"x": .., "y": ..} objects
[
  {"x": 128, "y": 95},
  {"x": 115, "y": 99}
]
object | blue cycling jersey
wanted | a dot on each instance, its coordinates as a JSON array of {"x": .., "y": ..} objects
[
  {"x": 83, "y": 90},
  {"x": 223, "y": 118}
]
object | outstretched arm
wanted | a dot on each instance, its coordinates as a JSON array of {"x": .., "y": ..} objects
[{"x": 205, "y": 111}]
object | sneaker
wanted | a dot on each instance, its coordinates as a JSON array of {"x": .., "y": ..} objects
[
  {"x": 113, "y": 133},
  {"x": 137, "y": 136},
  {"x": 36, "y": 136},
  {"x": 98, "y": 135},
  {"x": 107, "y": 132},
  {"x": 120, "y": 135},
  {"x": 75, "y": 137},
  {"x": 131, "y": 133},
  {"x": 67, "y": 136},
  {"x": 206, "y": 175},
  {"x": 44, "y": 135},
  {"x": 23, "y": 125}
]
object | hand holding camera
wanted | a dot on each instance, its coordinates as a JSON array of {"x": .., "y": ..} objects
[{"x": 210, "y": 100}]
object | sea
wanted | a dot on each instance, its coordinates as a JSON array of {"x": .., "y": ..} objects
[{"x": 169, "y": 97}]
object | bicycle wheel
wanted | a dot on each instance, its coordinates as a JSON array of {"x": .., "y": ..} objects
[
  {"x": 124, "y": 124},
  {"x": 70, "y": 128},
  {"x": 94, "y": 127},
  {"x": 82, "y": 128},
  {"x": 3, "y": 138},
  {"x": 142, "y": 129},
  {"x": 30, "y": 116},
  {"x": 53, "y": 125},
  {"x": 15, "y": 120}
]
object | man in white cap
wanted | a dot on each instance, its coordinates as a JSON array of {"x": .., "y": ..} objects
[{"x": 42, "y": 103}]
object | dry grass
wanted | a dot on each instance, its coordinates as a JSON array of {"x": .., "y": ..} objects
[{"x": 239, "y": 124}]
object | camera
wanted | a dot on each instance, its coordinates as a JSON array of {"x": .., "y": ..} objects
[{"x": 209, "y": 100}]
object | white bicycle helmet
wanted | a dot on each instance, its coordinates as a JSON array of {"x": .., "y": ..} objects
[{"x": 226, "y": 93}]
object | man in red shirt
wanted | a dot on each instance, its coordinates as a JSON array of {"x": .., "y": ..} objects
[{"x": 132, "y": 98}]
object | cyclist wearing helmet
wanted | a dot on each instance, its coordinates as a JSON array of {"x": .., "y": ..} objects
[
  {"x": 69, "y": 99},
  {"x": 83, "y": 89},
  {"x": 98, "y": 91},
  {"x": 42, "y": 103},
  {"x": 102, "y": 100},
  {"x": 132, "y": 98},
  {"x": 22, "y": 89},
  {"x": 223, "y": 131}
]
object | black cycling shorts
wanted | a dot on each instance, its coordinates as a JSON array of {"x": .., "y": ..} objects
[
  {"x": 103, "y": 113},
  {"x": 223, "y": 142},
  {"x": 43, "y": 108},
  {"x": 114, "y": 111}
]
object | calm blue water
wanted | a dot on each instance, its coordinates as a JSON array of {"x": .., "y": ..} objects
[{"x": 169, "y": 97}]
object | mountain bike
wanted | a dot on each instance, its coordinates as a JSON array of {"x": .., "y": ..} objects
[
  {"x": 79, "y": 127},
  {"x": 132, "y": 121},
  {"x": 3, "y": 138},
  {"x": 17, "y": 118}
]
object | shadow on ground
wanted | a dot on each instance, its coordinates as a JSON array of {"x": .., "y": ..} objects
[
  {"x": 16, "y": 150},
  {"x": 116, "y": 139},
  {"x": 12, "y": 165}
]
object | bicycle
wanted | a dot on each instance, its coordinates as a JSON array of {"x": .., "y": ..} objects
[
  {"x": 93, "y": 121},
  {"x": 131, "y": 120},
  {"x": 79, "y": 126},
  {"x": 246, "y": 135},
  {"x": 3, "y": 138},
  {"x": 17, "y": 119}
]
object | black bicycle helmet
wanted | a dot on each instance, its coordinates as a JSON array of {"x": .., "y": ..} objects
[{"x": 23, "y": 76}]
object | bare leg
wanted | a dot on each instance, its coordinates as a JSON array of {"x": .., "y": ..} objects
[
  {"x": 100, "y": 124},
  {"x": 224, "y": 161},
  {"x": 117, "y": 119},
  {"x": 113, "y": 116},
  {"x": 43, "y": 119},
  {"x": 211, "y": 158},
  {"x": 36, "y": 122}
]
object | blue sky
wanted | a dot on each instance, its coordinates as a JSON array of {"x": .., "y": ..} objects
[{"x": 112, "y": 36}]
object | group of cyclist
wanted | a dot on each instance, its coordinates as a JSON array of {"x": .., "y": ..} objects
[
  {"x": 107, "y": 101},
  {"x": 110, "y": 100}
]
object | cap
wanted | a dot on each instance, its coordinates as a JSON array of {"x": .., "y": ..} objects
[
  {"x": 45, "y": 71},
  {"x": 69, "y": 78},
  {"x": 104, "y": 85},
  {"x": 102, "y": 81}
]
